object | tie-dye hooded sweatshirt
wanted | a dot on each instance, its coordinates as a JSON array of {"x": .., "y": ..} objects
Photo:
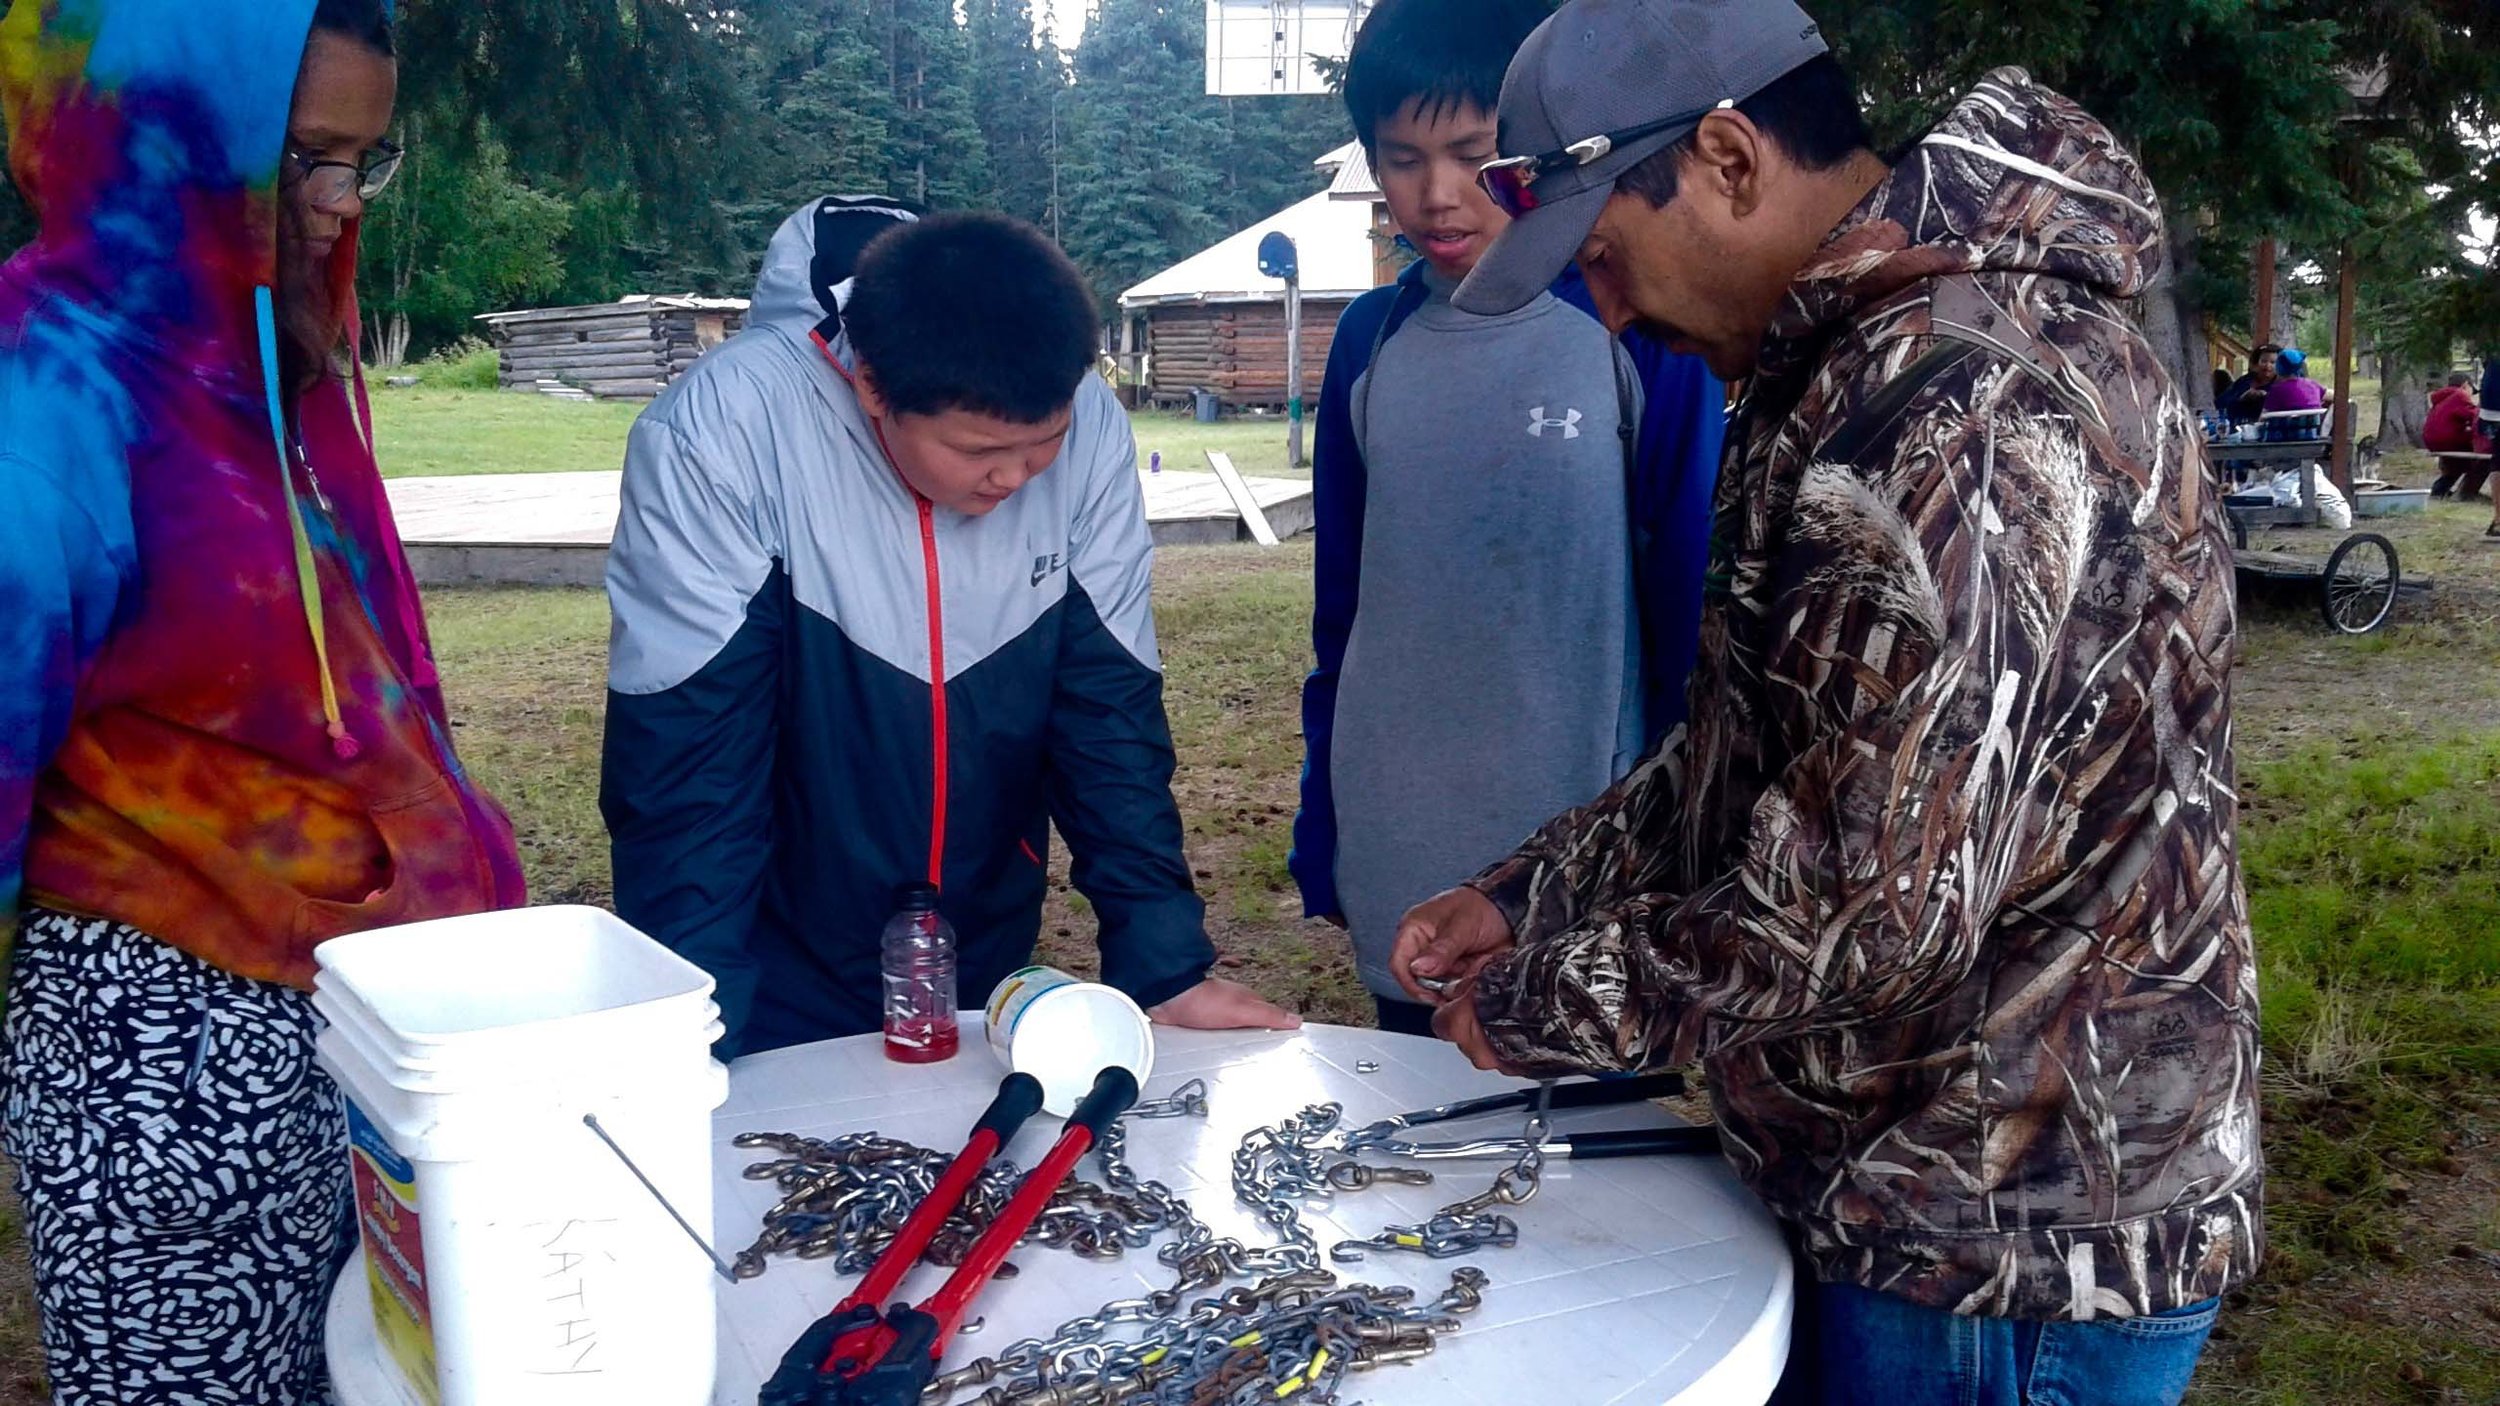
[{"x": 219, "y": 721}]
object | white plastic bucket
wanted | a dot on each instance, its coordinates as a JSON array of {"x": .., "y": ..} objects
[
  {"x": 516, "y": 978},
  {"x": 455, "y": 1068},
  {"x": 1043, "y": 1022},
  {"x": 512, "y": 1259}
]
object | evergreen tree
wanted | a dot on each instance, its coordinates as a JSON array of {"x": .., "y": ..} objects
[
  {"x": 1018, "y": 86},
  {"x": 1141, "y": 180},
  {"x": 615, "y": 95},
  {"x": 1158, "y": 170},
  {"x": 937, "y": 157},
  {"x": 824, "y": 102},
  {"x": 2238, "y": 109},
  {"x": 1270, "y": 143}
]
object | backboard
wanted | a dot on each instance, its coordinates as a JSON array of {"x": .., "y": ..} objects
[{"x": 1257, "y": 47}]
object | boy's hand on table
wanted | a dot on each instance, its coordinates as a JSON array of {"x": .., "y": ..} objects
[{"x": 1217, "y": 1004}]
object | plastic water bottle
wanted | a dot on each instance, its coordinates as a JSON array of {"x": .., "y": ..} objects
[{"x": 918, "y": 952}]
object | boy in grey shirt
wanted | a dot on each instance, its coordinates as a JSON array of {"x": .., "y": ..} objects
[{"x": 1507, "y": 508}]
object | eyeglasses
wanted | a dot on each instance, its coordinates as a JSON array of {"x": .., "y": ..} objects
[
  {"x": 1509, "y": 181},
  {"x": 329, "y": 183}
]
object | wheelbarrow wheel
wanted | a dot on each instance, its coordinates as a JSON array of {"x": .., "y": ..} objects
[{"x": 2359, "y": 588}]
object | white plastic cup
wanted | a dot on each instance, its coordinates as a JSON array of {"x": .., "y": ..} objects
[{"x": 1043, "y": 1022}]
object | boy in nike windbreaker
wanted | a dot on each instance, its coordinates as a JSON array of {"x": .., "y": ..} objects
[{"x": 879, "y": 586}]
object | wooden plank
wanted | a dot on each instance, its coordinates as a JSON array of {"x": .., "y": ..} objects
[
  {"x": 640, "y": 312},
  {"x": 611, "y": 351},
  {"x": 1251, "y": 513},
  {"x": 585, "y": 366},
  {"x": 586, "y": 337},
  {"x": 565, "y": 325}
]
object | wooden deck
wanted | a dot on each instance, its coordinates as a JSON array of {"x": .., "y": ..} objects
[{"x": 553, "y": 529}]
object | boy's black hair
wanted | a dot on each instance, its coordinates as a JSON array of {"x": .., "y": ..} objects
[
  {"x": 1811, "y": 111},
  {"x": 1440, "y": 54},
  {"x": 368, "y": 22},
  {"x": 969, "y": 311}
]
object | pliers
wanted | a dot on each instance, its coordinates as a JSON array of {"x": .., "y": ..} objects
[{"x": 1592, "y": 1093}]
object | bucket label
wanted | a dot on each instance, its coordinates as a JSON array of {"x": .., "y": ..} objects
[
  {"x": 1013, "y": 998},
  {"x": 386, "y": 1220}
]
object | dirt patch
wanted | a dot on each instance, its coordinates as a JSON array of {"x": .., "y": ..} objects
[
  {"x": 2417, "y": 1323},
  {"x": 21, "y": 1354},
  {"x": 1234, "y": 625},
  {"x": 2434, "y": 670}
]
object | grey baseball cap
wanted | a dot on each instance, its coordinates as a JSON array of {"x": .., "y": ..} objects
[{"x": 1605, "y": 66}]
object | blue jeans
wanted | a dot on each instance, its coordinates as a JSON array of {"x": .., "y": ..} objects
[{"x": 1856, "y": 1347}]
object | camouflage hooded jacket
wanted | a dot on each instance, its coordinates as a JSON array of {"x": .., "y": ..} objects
[{"x": 1940, "y": 877}]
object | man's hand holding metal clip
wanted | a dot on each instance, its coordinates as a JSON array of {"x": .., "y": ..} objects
[{"x": 1443, "y": 943}]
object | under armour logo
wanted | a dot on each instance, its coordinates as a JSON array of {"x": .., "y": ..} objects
[{"x": 1538, "y": 423}]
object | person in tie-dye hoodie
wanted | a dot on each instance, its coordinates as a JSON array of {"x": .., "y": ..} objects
[{"x": 221, "y": 736}]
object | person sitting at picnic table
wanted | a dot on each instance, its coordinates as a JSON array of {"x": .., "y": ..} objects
[
  {"x": 2489, "y": 424},
  {"x": 2291, "y": 388},
  {"x": 2450, "y": 430},
  {"x": 2247, "y": 395}
]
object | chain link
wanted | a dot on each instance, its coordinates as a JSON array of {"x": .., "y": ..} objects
[
  {"x": 1293, "y": 1334},
  {"x": 1466, "y": 1226},
  {"x": 846, "y": 1198}
]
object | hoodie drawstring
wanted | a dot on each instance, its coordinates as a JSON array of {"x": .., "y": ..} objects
[
  {"x": 307, "y": 580},
  {"x": 421, "y": 668}
]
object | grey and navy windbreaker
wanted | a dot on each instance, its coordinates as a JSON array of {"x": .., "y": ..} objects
[{"x": 823, "y": 688}]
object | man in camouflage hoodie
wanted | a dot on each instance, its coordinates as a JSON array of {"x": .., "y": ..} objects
[{"x": 1940, "y": 877}]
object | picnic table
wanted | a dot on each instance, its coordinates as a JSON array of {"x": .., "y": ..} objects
[
  {"x": 2284, "y": 438},
  {"x": 1657, "y": 1279}
]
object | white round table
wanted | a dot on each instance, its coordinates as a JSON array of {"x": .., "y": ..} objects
[{"x": 1635, "y": 1280}]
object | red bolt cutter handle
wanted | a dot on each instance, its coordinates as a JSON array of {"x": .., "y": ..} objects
[
  {"x": 853, "y": 1357},
  {"x": 848, "y": 1330},
  {"x": 1019, "y": 1098},
  {"x": 1115, "y": 1089}
]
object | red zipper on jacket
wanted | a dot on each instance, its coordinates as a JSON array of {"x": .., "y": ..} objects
[
  {"x": 937, "y": 684},
  {"x": 937, "y": 634}
]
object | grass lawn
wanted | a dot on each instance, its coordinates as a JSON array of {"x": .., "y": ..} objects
[
  {"x": 1256, "y": 443},
  {"x": 2370, "y": 771},
  {"x": 428, "y": 430},
  {"x": 423, "y": 431}
]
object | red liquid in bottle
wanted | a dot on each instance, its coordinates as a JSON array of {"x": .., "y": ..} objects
[
  {"x": 918, "y": 961},
  {"x": 921, "y": 1039}
]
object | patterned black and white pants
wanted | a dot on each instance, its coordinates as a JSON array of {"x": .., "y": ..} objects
[{"x": 182, "y": 1163}]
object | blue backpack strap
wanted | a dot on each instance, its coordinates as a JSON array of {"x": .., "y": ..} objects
[{"x": 1411, "y": 296}]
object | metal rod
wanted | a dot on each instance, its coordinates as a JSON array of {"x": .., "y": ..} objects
[{"x": 719, "y": 1265}]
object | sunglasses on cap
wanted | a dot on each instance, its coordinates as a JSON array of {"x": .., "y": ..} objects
[{"x": 1510, "y": 181}]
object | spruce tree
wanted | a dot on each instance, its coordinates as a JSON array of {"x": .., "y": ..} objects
[
  {"x": 936, "y": 156},
  {"x": 1018, "y": 88},
  {"x": 1141, "y": 179}
]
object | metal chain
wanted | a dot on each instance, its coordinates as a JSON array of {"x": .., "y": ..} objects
[
  {"x": 1274, "y": 1169},
  {"x": 1295, "y": 1333},
  {"x": 845, "y": 1199},
  {"x": 1464, "y": 1227}
]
